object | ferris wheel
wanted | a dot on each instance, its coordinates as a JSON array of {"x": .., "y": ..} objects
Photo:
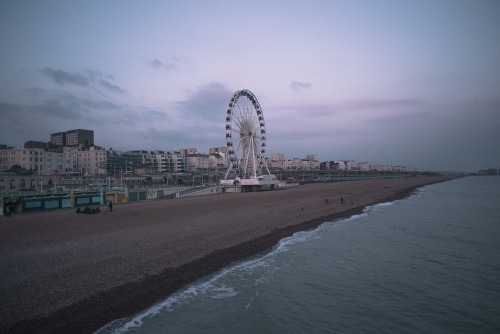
[{"x": 245, "y": 136}]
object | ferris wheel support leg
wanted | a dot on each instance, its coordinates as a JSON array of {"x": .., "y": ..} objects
[{"x": 254, "y": 156}]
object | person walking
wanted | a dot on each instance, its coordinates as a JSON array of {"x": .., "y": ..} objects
[{"x": 110, "y": 205}]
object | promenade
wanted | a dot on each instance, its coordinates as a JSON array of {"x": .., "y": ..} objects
[{"x": 63, "y": 272}]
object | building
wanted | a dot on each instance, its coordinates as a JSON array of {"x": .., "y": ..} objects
[
  {"x": 187, "y": 151},
  {"x": 364, "y": 166},
  {"x": 35, "y": 144},
  {"x": 37, "y": 161},
  {"x": 218, "y": 159},
  {"x": 58, "y": 139},
  {"x": 119, "y": 163},
  {"x": 197, "y": 162},
  {"x": 78, "y": 137},
  {"x": 352, "y": 165},
  {"x": 70, "y": 155},
  {"x": 92, "y": 161},
  {"x": 177, "y": 163},
  {"x": 278, "y": 156}
]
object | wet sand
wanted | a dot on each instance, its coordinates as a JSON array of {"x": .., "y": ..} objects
[{"x": 63, "y": 272}]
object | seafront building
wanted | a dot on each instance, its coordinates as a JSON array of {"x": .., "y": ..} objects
[
  {"x": 73, "y": 153},
  {"x": 78, "y": 137},
  {"x": 37, "y": 161}
]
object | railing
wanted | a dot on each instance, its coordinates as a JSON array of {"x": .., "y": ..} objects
[
  {"x": 59, "y": 192},
  {"x": 333, "y": 178},
  {"x": 200, "y": 188}
]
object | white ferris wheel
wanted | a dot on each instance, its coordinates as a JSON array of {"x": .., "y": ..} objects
[{"x": 245, "y": 137}]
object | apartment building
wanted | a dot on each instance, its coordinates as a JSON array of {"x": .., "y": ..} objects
[
  {"x": 197, "y": 162},
  {"x": 37, "y": 160},
  {"x": 177, "y": 163},
  {"x": 364, "y": 166},
  {"x": 92, "y": 161},
  {"x": 78, "y": 137},
  {"x": 278, "y": 156}
]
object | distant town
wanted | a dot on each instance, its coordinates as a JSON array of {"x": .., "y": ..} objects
[
  {"x": 74, "y": 153},
  {"x": 72, "y": 161}
]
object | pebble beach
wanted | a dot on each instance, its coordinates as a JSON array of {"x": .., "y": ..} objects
[{"x": 64, "y": 272}]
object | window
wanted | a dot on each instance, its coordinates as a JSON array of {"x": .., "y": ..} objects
[
  {"x": 12, "y": 184},
  {"x": 32, "y": 183},
  {"x": 22, "y": 185}
]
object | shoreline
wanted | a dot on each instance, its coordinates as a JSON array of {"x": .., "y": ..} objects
[{"x": 133, "y": 295}]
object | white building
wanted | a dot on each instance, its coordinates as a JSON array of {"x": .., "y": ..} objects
[
  {"x": 92, "y": 161},
  {"x": 364, "y": 166},
  {"x": 37, "y": 160},
  {"x": 218, "y": 159},
  {"x": 341, "y": 165},
  {"x": 177, "y": 163},
  {"x": 352, "y": 165},
  {"x": 197, "y": 162},
  {"x": 278, "y": 156},
  {"x": 70, "y": 156},
  {"x": 188, "y": 151}
]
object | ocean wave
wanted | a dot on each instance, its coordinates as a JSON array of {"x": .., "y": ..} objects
[{"x": 208, "y": 286}]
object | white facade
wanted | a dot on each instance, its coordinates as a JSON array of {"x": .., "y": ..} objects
[
  {"x": 92, "y": 161},
  {"x": 218, "y": 159},
  {"x": 197, "y": 162},
  {"x": 37, "y": 160},
  {"x": 188, "y": 151},
  {"x": 278, "y": 156},
  {"x": 217, "y": 162},
  {"x": 364, "y": 166},
  {"x": 341, "y": 165},
  {"x": 177, "y": 162},
  {"x": 70, "y": 155},
  {"x": 271, "y": 163},
  {"x": 352, "y": 165}
]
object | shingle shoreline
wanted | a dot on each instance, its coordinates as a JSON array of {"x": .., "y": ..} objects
[{"x": 63, "y": 272}]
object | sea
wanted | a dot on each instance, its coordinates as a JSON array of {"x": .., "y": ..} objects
[{"x": 429, "y": 263}]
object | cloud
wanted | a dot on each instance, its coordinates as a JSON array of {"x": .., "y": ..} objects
[
  {"x": 35, "y": 92},
  {"x": 155, "y": 63},
  {"x": 384, "y": 103},
  {"x": 329, "y": 109},
  {"x": 63, "y": 77},
  {"x": 173, "y": 63},
  {"x": 84, "y": 79},
  {"x": 155, "y": 115},
  {"x": 295, "y": 85},
  {"x": 50, "y": 107},
  {"x": 109, "y": 86},
  {"x": 207, "y": 102},
  {"x": 65, "y": 106}
]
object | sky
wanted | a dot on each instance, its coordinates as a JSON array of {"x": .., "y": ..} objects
[{"x": 400, "y": 82}]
